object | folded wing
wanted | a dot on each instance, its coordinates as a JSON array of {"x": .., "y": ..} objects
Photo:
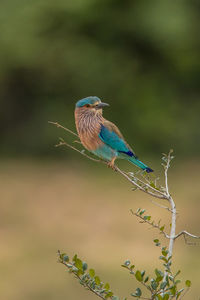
[{"x": 112, "y": 137}]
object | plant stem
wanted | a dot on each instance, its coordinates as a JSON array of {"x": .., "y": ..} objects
[{"x": 173, "y": 226}]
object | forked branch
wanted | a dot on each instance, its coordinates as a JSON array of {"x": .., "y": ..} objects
[{"x": 143, "y": 184}]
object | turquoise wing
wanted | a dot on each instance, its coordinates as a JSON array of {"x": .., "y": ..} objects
[{"x": 112, "y": 137}]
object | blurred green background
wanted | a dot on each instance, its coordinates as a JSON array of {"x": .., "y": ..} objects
[{"x": 142, "y": 57}]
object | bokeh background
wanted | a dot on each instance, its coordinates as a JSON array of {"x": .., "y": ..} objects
[{"x": 142, "y": 57}]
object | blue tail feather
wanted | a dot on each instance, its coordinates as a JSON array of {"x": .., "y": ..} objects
[{"x": 140, "y": 164}]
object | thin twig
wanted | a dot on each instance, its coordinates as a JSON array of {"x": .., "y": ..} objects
[
  {"x": 60, "y": 126},
  {"x": 151, "y": 224},
  {"x": 63, "y": 143},
  {"x": 137, "y": 185},
  {"x": 160, "y": 205},
  {"x": 149, "y": 186},
  {"x": 185, "y": 233},
  {"x": 181, "y": 297},
  {"x": 85, "y": 283}
]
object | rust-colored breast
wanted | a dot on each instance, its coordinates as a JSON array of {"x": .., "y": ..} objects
[{"x": 88, "y": 126}]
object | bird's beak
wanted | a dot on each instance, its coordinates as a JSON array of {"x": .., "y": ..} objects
[{"x": 101, "y": 105}]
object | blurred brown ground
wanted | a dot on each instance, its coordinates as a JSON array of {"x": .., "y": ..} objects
[{"x": 84, "y": 208}]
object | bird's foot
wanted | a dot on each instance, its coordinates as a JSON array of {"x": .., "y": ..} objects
[{"x": 111, "y": 164}]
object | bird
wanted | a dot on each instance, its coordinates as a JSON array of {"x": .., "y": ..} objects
[{"x": 100, "y": 136}]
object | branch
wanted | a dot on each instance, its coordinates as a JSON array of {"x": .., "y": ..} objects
[
  {"x": 144, "y": 187},
  {"x": 141, "y": 188},
  {"x": 160, "y": 205},
  {"x": 60, "y": 126},
  {"x": 85, "y": 284},
  {"x": 86, "y": 278},
  {"x": 148, "y": 185},
  {"x": 185, "y": 233},
  {"x": 150, "y": 223},
  {"x": 63, "y": 143},
  {"x": 186, "y": 291}
]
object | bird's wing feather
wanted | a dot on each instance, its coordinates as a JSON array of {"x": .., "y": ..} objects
[{"x": 111, "y": 136}]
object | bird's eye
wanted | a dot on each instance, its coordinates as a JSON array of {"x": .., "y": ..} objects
[{"x": 87, "y": 105}]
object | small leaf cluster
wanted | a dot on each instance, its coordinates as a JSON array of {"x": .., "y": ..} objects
[
  {"x": 147, "y": 219},
  {"x": 87, "y": 277},
  {"x": 167, "y": 157},
  {"x": 164, "y": 284}
]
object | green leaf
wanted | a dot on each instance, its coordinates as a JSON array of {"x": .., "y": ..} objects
[
  {"x": 142, "y": 273},
  {"x": 154, "y": 284},
  {"x": 146, "y": 279},
  {"x": 127, "y": 263},
  {"x": 79, "y": 264},
  {"x": 159, "y": 273},
  {"x": 91, "y": 273},
  {"x": 163, "y": 258},
  {"x": 85, "y": 266},
  {"x": 109, "y": 295},
  {"x": 177, "y": 273},
  {"x": 142, "y": 211},
  {"x": 126, "y": 267},
  {"x": 138, "y": 276},
  {"x": 173, "y": 290},
  {"x": 166, "y": 297},
  {"x": 163, "y": 285},
  {"x": 147, "y": 218},
  {"x": 74, "y": 269},
  {"x": 75, "y": 257},
  {"x": 66, "y": 258},
  {"x": 97, "y": 280},
  {"x": 107, "y": 286},
  {"x": 165, "y": 252},
  {"x": 162, "y": 228},
  {"x": 137, "y": 293},
  {"x": 169, "y": 258},
  {"x": 153, "y": 185},
  {"x": 61, "y": 254},
  {"x": 188, "y": 283},
  {"x": 80, "y": 272},
  {"x": 157, "y": 242}
]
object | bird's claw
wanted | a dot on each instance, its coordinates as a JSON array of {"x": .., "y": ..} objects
[{"x": 112, "y": 166}]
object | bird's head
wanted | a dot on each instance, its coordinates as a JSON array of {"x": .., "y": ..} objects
[{"x": 91, "y": 104}]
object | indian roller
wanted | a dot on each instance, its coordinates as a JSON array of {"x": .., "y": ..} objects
[{"x": 100, "y": 136}]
